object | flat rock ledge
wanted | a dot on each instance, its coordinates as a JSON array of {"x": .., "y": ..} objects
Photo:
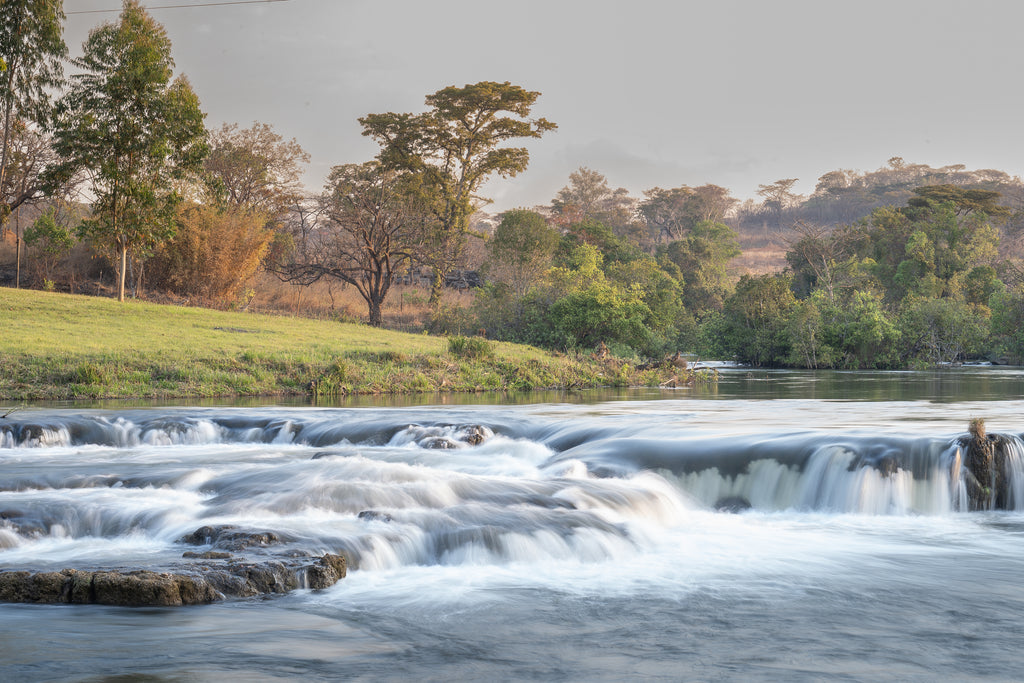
[{"x": 196, "y": 585}]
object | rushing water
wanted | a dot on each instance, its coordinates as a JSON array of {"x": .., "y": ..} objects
[{"x": 779, "y": 526}]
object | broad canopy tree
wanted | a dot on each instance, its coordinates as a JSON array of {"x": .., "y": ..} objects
[
  {"x": 521, "y": 250},
  {"x": 674, "y": 213},
  {"x": 588, "y": 195},
  {"x": 454, "y": 147},
  {"x": 134, "y": 130},
  {"x": 373, "y": 221},
  {"x": 929, "y": 248},
  {"x": 778, "y": 197}
]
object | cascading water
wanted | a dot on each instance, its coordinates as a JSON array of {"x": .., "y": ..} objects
[
  {"x": 523, "y": 534},
  {"x": 389, "y": 492}
]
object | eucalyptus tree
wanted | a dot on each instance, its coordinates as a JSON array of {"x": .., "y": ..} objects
[
  {"x": 134, "y": 131},
  {"x": 32, "y": 51},
  {"x": 455, "y": 147}
]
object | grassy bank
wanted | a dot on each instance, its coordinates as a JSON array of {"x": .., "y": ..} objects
[{"x": 61, "y": 346}]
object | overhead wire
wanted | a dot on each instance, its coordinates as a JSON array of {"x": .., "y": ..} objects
[{"x": 201, "y": 4}]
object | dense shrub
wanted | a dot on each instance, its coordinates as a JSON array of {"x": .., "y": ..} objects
[
  {"x": 470, "y": 347},
  {"x": 213, "y": 254}
]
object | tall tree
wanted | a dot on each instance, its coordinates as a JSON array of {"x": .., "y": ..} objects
[
  {"x": 255, "y": 168},
  {"x": 214, "y": 252},
  {"x": 374, "y": 220},
  {"x": 30, "y": 157},
  {"x": 521, "y": 249},
  {"x": 587, "y": 195},
  {"x": 455, "y": 147},
  {"x": 673, "y": 213},
  {"x": 756, "y": 319},
  {"x": 32, "y": 51},
  {"x": 928, "y": 249},
  {"x": 778, "y": 197},
  {"x": 134, "y": 130},
  {"x": 666, "y": 212},
  {"x": 702, "y": 255},
  {"x": 589, "y": 198},
  {"x": 817, "y": 255}
]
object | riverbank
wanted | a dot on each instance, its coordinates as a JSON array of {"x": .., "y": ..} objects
[{"x": 62, "y": 347}]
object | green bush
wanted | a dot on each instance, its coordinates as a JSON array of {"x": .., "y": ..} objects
[
  {"x": 89, "y": 373},
  {"x": 470, "y": 347}
]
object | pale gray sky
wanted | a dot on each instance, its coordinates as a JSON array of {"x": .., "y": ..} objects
[{"x": 649, "y": 93}]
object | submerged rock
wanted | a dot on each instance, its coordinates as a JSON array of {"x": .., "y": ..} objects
[
  {"x": 323, "y": 454},
  {"x": 436, "y": 443},
  {"x": 231, "y": 538},
  {"x": 733, "y": 504},
  {"x": 474, "y": 435},
  {"x": 887, "y": 466},
  {"x": 194, "y": 585},
  {"x": 451, "y": 436},
  {"x": 374, "y": 516}
]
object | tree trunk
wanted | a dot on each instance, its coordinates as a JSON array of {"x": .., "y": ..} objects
[
  {"x": 436, "y": 287},
  {"x": 121, "y": 274},
  {"x": 376, "y": 319},
  {"x": 17, "y": 267}
]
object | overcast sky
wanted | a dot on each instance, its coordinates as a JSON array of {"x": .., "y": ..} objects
[{"x": 649, "y": 93}]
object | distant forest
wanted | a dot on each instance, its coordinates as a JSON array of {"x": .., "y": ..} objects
[{"x": 845, "y": 196}]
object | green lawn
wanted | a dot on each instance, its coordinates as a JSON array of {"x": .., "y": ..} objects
[{"x": 61, "y": 346}]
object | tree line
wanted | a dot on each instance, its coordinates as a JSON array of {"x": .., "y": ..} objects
[
  {"x": 936, "y": 279},
  {"x": 901, "y": 266}
]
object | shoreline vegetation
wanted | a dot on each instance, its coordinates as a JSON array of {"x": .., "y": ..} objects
[{"x": 65, "y": 347}]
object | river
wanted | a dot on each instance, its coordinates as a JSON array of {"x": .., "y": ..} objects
[{"x": 775, "y": 526}]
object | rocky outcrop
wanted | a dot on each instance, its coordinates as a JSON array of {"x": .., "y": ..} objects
[
  {"x": 459, "y": 436},
  {"x": 132, "y": 589},
  {"x": 193, "y": 585},
  {"x": 984, "y": 469}
]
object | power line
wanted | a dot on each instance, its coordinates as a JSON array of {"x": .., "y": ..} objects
[{"x": 201, "y": 4}]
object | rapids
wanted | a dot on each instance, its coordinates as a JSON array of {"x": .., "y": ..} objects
[{"x": 749, "y": 533}]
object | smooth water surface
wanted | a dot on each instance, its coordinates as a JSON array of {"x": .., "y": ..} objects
[{"x": 777, "y": 526}]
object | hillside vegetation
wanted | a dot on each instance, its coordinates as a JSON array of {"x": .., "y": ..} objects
[{"x": 61, "y": 346}]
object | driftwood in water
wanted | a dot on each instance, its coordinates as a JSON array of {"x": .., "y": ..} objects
[{"x": 984, "y": 469}]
